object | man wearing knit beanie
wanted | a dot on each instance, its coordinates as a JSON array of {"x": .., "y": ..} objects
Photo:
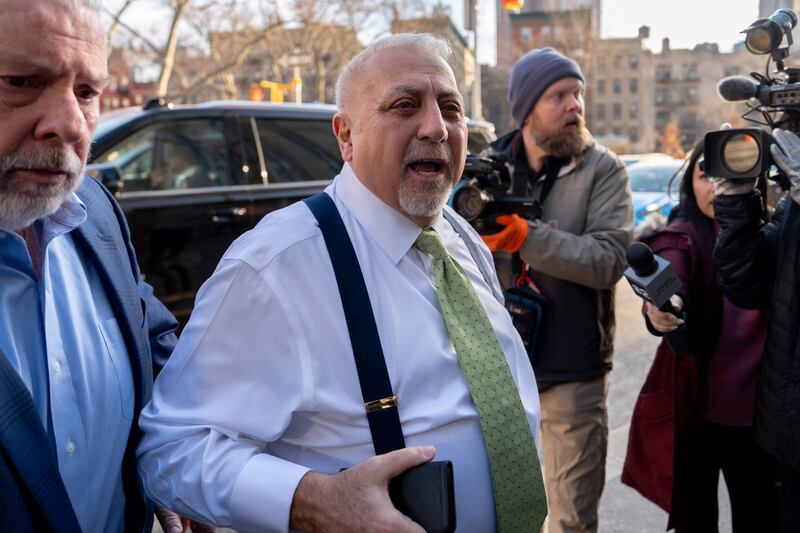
[{"x": 574, "y": 254}]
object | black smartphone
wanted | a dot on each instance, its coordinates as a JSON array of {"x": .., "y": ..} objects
[{"x": 426, "y": 494}]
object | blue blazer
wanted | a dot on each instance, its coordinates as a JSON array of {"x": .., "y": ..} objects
[{"x": 32, "y": 495}]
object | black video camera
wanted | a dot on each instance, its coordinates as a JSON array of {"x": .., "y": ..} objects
[
  {"x": 743, "y": 153},
  {"x": 484, "y": 195}
]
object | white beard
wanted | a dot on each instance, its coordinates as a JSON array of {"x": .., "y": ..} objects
[
  {"x": 423, "y": 199},
  {"x": 23, "y": 202}
]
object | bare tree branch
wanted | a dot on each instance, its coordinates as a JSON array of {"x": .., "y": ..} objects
[
  {"x": 168, "y": 59},
  {"x": 115, "y": 22},
  {"x": 237, "y": 60},
  {"x": 147, "y": 42}
]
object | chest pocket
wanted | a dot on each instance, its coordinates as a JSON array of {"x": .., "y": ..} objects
[{"x": 118, "y": 353}]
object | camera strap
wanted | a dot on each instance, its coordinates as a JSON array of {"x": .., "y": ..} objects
[
  {"x": 376, "y": 388},
  {"x": 522, "y": 176}
]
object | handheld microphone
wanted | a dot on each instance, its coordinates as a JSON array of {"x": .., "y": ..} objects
[
  {"x": 737, "y": 88},
  {"x": 651, "y": 277}
]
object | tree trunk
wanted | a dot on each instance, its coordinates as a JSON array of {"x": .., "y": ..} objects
[{"x": 168, "y": 59}]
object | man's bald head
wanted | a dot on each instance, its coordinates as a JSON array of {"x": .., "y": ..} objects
[{"x": 347, "y": 86}]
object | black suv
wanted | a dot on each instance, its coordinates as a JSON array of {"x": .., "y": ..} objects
[{"x": 191, "y": 179}]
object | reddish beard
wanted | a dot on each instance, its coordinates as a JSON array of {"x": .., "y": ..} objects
[{"x": 564, "y": 140}]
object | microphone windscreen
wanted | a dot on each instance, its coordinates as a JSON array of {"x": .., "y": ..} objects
[
  {"x": 640, "y": 258},
  {"x": 737, "y": 88}
]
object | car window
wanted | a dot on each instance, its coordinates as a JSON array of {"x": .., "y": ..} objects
[
  {"x": 182, "y": 154},
  {"x": 299, "y": 150},
  {"x": 651, "y": 178},
  {"x": 479, "y": 136}
]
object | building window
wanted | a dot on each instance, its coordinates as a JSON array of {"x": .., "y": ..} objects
[
  {"x": 662, "y": 96},
  {"x": 617, "y": 131},
  {"x": 633, "y": 84},
  {"x": 526, "y": 33},
  {"x": 691, "y": 72},
  {"x": 633, "y": 61},
  {"x": 690, "y": 95},
  {"x": 663, "y": 72},
  {"x": 617, "y": 61},
  {"x": 616, "y": 111},
  {"x": 633, "y": 135},
  {"x": 601, "y": 112},
  {"x": 662, "y": 119},
  {"x": 688, "y": 121},
  {"x": 730, "y": 71},
  {"x": 633, "y": 110},
  {"x": 601, "y": 86},
  {"x": 617, "y": 86},
  {"x": 545, "y": 32},
  {"x": 600, "y": 131}
]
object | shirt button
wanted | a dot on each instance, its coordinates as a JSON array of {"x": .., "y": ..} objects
[
  {"x": 70, "y": 447},
  {"x": 56, "y": 367}
]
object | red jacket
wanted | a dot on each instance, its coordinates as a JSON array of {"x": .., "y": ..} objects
[{"x": 668, "y": 404}]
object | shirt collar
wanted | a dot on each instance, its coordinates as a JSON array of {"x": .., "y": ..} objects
[
  {"x": 69, "y": 216},
  {"x": 393, "y": 231}
]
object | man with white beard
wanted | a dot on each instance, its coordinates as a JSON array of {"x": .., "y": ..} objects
[
  {"x": 278, "y": 409},
  {"x": 81, "y": 334}
]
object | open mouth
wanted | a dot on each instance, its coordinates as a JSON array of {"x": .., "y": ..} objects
[{"x": 427, "y": 166}]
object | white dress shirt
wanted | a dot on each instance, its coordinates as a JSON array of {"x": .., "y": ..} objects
[{"x": 263, "y": 387}]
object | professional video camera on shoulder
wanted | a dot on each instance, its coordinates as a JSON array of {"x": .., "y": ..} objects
[
  {"x": 484, "y": 194},
  {"x": 743, "y": 153}
]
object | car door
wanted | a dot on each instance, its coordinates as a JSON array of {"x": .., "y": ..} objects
[{"x": 182, "y": 189}]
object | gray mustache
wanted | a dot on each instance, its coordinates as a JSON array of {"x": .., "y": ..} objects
[
  {"x": 41, "y": 159},
  {"x": 420, "y": 150}
]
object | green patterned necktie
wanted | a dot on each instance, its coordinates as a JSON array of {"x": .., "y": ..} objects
[{"x": 519, "y": 496}]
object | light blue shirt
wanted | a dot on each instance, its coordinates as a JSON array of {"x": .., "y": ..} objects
[{"x": 59, "y": 332}]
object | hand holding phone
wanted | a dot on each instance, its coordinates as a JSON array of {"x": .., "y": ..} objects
[{"x": 425, "y": 494}]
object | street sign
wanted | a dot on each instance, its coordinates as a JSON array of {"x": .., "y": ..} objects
[{"x": 296, "y": 60}]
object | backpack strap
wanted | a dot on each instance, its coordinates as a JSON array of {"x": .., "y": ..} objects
[{"x": 376, "y": 388}]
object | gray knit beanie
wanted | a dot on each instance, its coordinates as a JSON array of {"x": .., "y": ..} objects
[{"x": 532, "y": 74}]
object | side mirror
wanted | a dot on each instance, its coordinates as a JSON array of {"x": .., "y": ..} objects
[{"x": 108, "y": 175}]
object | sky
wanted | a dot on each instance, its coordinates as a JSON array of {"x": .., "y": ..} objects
[{"x": 685, "y": 22}]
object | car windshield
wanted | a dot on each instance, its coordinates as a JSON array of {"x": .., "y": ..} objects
[{"x": 651, "y": 178}]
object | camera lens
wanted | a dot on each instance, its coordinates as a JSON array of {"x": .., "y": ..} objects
[
  {"x": 759, "y": 41},
  {"x": 469, "y": 203},
  {"x": 741, "y": 153}
]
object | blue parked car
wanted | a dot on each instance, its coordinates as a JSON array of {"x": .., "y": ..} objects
[{"x": 652, "y": 198}]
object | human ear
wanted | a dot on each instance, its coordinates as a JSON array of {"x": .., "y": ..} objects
[{"x": 342, "y": 129}]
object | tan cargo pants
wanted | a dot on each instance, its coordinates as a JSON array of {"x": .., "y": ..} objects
[{"x": 574, "y": 440}]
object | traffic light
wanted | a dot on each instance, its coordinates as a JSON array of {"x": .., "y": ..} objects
[{"x": 513, "y": 5}]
